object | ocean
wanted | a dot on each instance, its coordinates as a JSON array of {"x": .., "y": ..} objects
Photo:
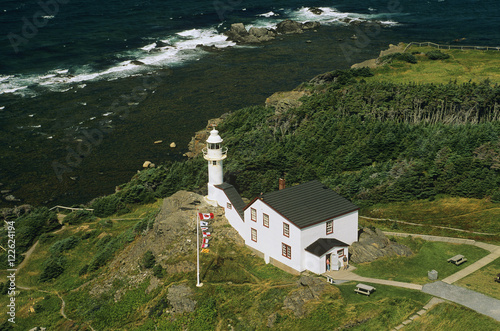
[{"x": 86, "y": 88}]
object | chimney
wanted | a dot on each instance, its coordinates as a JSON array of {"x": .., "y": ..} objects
[{"x": 282, "y": 183}]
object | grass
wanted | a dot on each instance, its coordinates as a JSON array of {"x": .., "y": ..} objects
[
  {"x": 478, "y": 215},
  {"x": 240, "y": 291},
  {"x": 482, "y": 280},
  {"x": 457, "y": 318},
  {"x": 462, "y": 66},
  {"x": 429, "y": 256}
]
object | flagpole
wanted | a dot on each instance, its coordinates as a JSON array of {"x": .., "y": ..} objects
[{"x": 198, "y": 284}]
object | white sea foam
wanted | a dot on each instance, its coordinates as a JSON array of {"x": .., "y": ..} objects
[
  {"x": 182, "y": 47},
  {"x": 268, "y": 14},
  {"x": 331, "y": 15}
]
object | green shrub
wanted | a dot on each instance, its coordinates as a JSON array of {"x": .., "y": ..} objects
[
  {"x": 64, "y": 245},
  {"x": 46, "y": 237},
  {"x": 405, "y": 57},
  {"x": 158, "y": 271},
  {"x": 53, "y": 267},
  {"x": 83, "y": 270},
  {"x": 107, "y": 206},
  {"x": 495, "y": 197},
  {"x": 110, "y": 246},
  {"x": 437, "y": 55},
  {"x": 79, "y": 216},
  {"x": 148, "y": 260}
]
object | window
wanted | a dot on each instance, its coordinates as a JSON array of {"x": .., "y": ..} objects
[
  {"x": 329, "y": 227},
  {"x": 254, "y": 235},
  {"x": 286, "y": 230},
  {"x": 229, "y": 206},
  {"x": 214, "y": 162},
  {"x": 214, "y": 146},
  {"x": 286, "y": 250},
  {"x": 340, "y": 252},
  {"x": 253, "y": 214},
  {"x": 266, "y": 220}
]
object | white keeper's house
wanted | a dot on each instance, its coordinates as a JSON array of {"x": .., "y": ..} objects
[{"x": 298, "y": 228}]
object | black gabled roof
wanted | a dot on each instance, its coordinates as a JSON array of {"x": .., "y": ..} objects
[
  {"x": 234, "y": 197},
  {"x": 309, "y": 203},
  {"x": 323, "y": 245}
]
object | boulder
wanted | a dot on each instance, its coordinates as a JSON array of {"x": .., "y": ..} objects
[
  {"x": 11, "y": 198},
  {"x": 160, "y": 43},
  {"x": 173, "y": 145},
  {"x": 239, "y": 34},
  {"x": 148, "y": 164},
  {"x": 373, "y": 244},
  {"x": 310, "y": 25},
  {"x": 262, "y": 34},
  {"x": 315, "y": 10},
  {"x": 288, "y": 27},
  {"x": 137, "y": 63}
]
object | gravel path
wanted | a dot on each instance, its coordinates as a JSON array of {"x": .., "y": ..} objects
[{"x": 473, "y": 300}]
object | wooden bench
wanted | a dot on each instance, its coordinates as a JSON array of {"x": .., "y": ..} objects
[
  {"x": 457, "y": 259},
  {"x": 364, "y": 289}
]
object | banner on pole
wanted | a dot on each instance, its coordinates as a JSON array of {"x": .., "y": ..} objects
[{"x": 206, "y": 216}]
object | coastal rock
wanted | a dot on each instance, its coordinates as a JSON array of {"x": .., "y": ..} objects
[
  {"x": 262, "y": 34},
  {"x": 239, "y": 34},
  {"x": 316, "y": 10},
  {"x": 173, "y": 145},
  {"x": 310, "y": 25},
  {"x": 137, "y": 63},
  {"x": 160, "y": 44},
  {"x": 373, "y": 244},
  {"x": 148, "y": 164},
  {"x": 288, "y": 27},
  {"x": 11, "y": 198}
]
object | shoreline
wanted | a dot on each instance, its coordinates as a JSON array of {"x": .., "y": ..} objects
[{"x": 168, "y": 110}]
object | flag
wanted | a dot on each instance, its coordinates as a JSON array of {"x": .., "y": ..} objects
[
  {"x": 203, "y": 223},
  {"x": 204, "y": 246},
  {"x": 205, "y": 240},
  {"x": 204, "y": 228},
  {"x": 205, "y": 250},
  {"x": 205, "y": 216},
  {"x": 206, "y": 234}
]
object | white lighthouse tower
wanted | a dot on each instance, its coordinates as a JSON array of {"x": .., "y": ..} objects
[{"x": 214, "y": 153}]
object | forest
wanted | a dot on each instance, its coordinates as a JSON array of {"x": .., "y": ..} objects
[{"x": 369, "y": 141}]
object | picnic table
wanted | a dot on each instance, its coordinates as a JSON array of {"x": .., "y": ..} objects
[
  {"x": 457, "y": 259},
  {"x": 364, "y": 289}
]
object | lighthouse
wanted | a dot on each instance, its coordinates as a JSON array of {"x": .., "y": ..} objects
[{"x": 214, "y": 153}]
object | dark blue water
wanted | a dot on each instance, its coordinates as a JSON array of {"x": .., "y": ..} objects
[{"x": 67, "y": 66}]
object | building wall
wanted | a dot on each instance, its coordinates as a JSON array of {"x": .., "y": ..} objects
[
  {"x": 345, "y": 228},
  {"x": 231, "y": 214},
  {"x": 270, "y": 240}
]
